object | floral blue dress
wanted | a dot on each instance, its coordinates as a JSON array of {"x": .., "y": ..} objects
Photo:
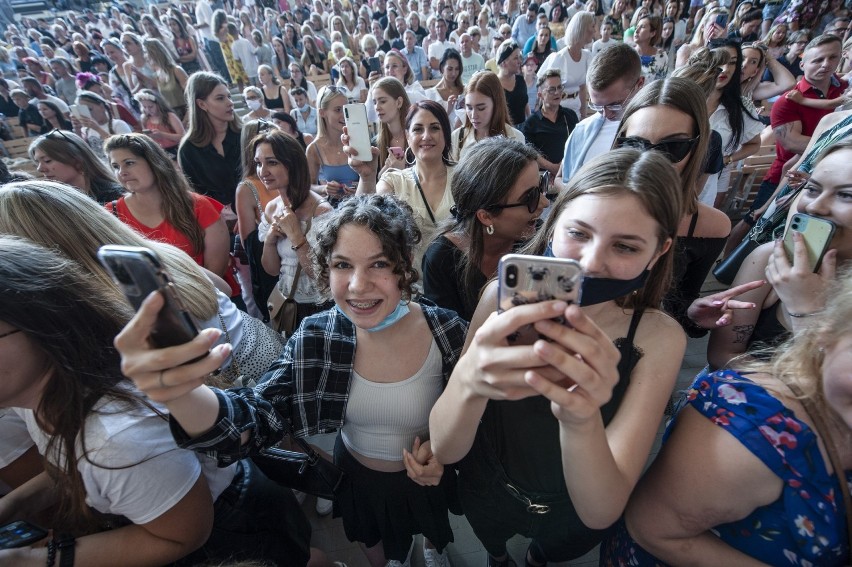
[{"x": 806, "y": 526}]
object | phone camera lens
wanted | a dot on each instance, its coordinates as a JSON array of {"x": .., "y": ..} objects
[
  {"x": 511, "y": 275},
  {"x": 121, "y": 274}
]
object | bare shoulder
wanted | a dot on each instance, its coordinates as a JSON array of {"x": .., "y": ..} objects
[
  {"x": 712, "y": 223},
  {"x": 658, "y": 331},
  {"x": 323, "y": 206}
]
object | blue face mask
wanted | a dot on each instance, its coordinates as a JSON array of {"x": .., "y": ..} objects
[
  {"x": 304, "y": 108},
  {"x": 599, "y": 290},
  {"x": 402, "y": 309}
]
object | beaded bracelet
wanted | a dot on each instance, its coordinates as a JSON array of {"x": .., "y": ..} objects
[{"x": 51, "y": 553}]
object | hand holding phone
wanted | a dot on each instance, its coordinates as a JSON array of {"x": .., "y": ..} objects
[
  {"x": 358, "y": 128},
  {"x": 20, "y": 534},
  {"x": 816, "y": 233}
]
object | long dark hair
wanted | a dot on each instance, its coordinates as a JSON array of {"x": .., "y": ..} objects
[
  {"x": 482, "y": 179},
  {"x": 42, "y": 292},
  {"x": 437, "y": 110},
  {"x": 732, "y": 93},
  {"x": 292, "y": 156}
]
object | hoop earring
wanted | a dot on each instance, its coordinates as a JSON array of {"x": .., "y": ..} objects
[
  {"x": 413, "y": 157},
  {"x": 489, "y": 230}
]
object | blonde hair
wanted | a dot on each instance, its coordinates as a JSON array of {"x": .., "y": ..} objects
[
  {"x": 324, "y": 100},
  {"x": 79, "y": 227},
  {"x": 158, "y": 54}
]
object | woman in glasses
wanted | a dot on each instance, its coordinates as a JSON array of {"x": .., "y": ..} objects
[
  {"x": 329, "y": 166},
  {"x": 552, "y": 436},
  {"x": 425, "y": 185},
  {"x": 65, "y": 157},
  {"x": 547, "y": 128},
  {"x": 334, "y": 375},
  {"x": 487, "y": 114},
  {"x": 498, "y": 198},
  {"x": 299, "y": 80},
  {"x": 670, "y": 116},
  {"x": 256, "y": 104},
  {"x": 573, "y": 62}
]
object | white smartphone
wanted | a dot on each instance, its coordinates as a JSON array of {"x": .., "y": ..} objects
[
  {"x": 817, "y": 233},
  {"x": 359, "y": 130},
  {"x": 80, "y": 111}
]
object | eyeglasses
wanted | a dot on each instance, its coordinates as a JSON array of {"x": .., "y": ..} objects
[
  {"x": 61, "y": 134},
  {"x": 7, "y": 333},
  {"x": 615, "y": 108},
  {"x": 531, "y": 198},
  {"x": 675, "y": 149},
  {"x": 555, "y": 90},
  {"x": 330, "y": 89}
]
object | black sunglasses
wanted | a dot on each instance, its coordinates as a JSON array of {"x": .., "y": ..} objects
[
  {"x": 531, "y": 198},
  {"x": 675, "y": 149}
]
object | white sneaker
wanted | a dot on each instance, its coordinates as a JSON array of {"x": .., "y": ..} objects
[
  {"x": 324, "y": 507},
  {"x": 431, "y": 558},
  {"x": 300, "y": 497}
]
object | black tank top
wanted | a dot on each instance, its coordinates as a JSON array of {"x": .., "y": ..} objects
[
  {"x": 273, "y": 103},
  {"x": 524, "y": 434}
]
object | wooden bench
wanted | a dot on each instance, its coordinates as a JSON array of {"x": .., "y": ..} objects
[{"x": 18, "y": 148}]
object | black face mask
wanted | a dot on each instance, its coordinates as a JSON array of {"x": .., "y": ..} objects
[{"x": 599, "y": 290}]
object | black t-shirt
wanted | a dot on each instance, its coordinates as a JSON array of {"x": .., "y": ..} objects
[
  {"x": 8, "y": 106},
  {"x": 714, "y": 159},
  {"x": 210, "y": 173},
  {"x": 517, "y": 100},
  {"x": 30, "y": 115},
  {"x": 443, "y": 273},
  {"x": 549, "y": 137},
  {"x": 421, "y": 33}
]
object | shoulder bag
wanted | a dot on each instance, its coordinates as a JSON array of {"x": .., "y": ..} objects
[
  {"x": 772, "y": 227},
  {"x": 306, "y": 472}
]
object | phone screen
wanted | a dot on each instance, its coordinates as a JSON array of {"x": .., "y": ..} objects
[{"x": 19, "y": 534}]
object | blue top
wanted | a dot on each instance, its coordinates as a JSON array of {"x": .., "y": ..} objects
[
  {"x": 306, "y": 125},
  {"x": 807, "y": 524},
  {"x": 340, "y": 173}
]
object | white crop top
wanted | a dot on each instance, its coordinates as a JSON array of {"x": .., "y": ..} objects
[{"x": 383, "y": 419}]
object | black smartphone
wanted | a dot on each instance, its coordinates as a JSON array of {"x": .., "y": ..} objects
[
  {"x": 526, "y": 279},
  {"x": 374, "y": 65},
  {"x": 20, "y": 534},
  {"x": 139, "y": 272},
  {"x": 722, "y": 21},
  {"x": 335, "y": 74}
]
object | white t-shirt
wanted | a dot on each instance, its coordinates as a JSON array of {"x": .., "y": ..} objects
[
  {"x": 355, "y": 92},
  {"x": 148, "y": 473},
  {"x": 437, "y": 48},
  {"x": 573, "y": 74},
  {"x": 15, "y": 440},
  {"x": 603, "y": 141},
  {"x": 471, "y": 65},
  {"x": 204, "y": 15},
  {"x": 601, "y": 44},
  {"x": 243, "y": 51}
]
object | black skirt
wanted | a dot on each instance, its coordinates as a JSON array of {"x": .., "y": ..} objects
[{"x": 391, "y": 508}]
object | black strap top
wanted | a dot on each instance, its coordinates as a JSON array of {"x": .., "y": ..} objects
[{"x": 273, "y": 103}]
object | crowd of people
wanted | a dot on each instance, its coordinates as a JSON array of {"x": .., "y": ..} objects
[{"x": 213, "y": 133}]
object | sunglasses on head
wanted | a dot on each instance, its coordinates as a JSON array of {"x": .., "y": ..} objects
[
  {"x": 675, "y": 149},
  {"x": 531, "y": 198}
]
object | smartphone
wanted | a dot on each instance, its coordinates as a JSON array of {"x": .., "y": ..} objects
[
  {"x": 20, "y": 534},
  {"x": 80, "y": 111},
  {"x": 139, "y": 272},
  {"x": 397, "y": 152},
  {"x": 335, "y": 74},
  {"x": 722, "y": 21},
  {"x": 522, "y": 280},
  {"x": 359, "y": 130},
  {"x": 374, "y": 65},
  {"x": 817, "y": 233}
]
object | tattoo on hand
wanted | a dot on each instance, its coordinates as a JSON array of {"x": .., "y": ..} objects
[{"x": 742, "y": 333}]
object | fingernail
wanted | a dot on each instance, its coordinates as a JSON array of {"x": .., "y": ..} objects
[
  {"x": 717, "y": 303},
  {"x": 211, "y": 335},
  {"x": 222, "y": 350},
  {"x": 560, "y": 306}
]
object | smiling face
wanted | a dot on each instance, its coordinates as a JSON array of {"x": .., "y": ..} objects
[
  {"x": 480, "y": 109},
  {"x": 133, "y": 172},
  {"x": 387, "y": 107},
  {"x": 333, "y": 115},
  {"x": 271, "y": 172},
  {"x": 218, "y": 104},
  {"x": 361, "y": 277},
  {"x": 828, "y": 195},
  {"x": 425, "y": 136},
  {"x": 610, "y": 236},
  {"x": 657, "y": 123}
]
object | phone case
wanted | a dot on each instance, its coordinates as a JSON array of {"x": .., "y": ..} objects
[
  {"x": 531, "y": 279},
  {"x": 20, "y": 534},
  {"x": 359, "y": 130},
  {"x": 817, "y": 233},
  {"x": 139, "y": 272}
]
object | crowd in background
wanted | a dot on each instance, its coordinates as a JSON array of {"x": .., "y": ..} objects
[{"x": 607, "y": 132}]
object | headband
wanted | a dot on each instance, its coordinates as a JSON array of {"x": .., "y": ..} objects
[{"x": 507, "y": 52}]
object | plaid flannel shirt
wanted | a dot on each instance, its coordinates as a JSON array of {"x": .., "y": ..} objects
[{"x": 307, "y": 387}]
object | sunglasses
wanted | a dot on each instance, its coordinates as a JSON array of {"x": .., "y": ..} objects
[
  {"x": 61, "y": 134},
  {"x": 675, "y": 149},
  {"x": 531, "y": 198}
]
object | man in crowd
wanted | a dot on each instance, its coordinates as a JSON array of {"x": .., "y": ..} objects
[
  {"x": 417, "y": 59},
  {"x": 793, "y": 123},
  {"x": 525, "y": 25},
  {"x": 614, "y": 76},
  {"x": 471, "y": 62}
]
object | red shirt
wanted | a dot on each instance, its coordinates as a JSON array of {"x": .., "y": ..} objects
[
  {"x": 207, "y": 212},
  {"x": 785, "y": 111}
]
